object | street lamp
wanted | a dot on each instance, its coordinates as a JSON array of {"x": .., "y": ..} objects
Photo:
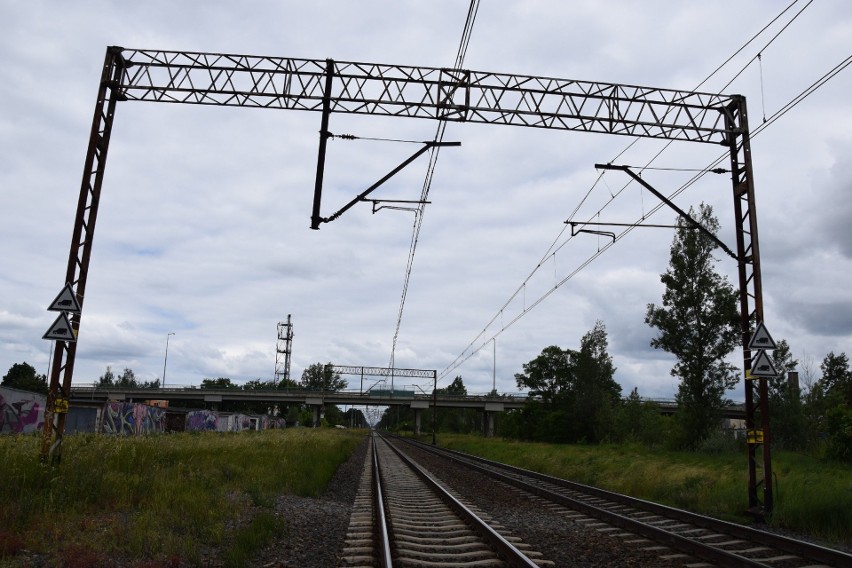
[
  {"x": 166, "y": 360},
  {"x": 494, "y": 368}
]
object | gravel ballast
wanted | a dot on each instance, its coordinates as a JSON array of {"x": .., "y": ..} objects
[{"x": 316, "y": 528}]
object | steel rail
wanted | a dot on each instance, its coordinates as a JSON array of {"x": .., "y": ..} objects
[
  {"x": 379, "y": 519},
  {"x": 508, "y": 552},
  {"x": 805, "y": 550}
]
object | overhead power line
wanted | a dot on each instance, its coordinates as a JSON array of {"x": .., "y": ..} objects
[
  {"x": 472, "y": 11},
  {"x": 467, "y": 353}
]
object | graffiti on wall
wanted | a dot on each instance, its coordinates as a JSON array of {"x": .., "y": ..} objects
[
  {"x": 21, "y": 411},
  {"x": 202, "y": 420},
  {"x": 127, "y": 418}
]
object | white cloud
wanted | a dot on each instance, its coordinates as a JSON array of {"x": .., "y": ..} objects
[{"x": 203, "y": 223}]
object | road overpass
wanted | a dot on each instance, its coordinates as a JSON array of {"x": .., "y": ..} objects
[{"x": 487, "y": 403}]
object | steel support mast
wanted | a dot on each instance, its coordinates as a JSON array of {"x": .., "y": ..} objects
[
  {"x": 328, "y": 86},
  {"x": 283, "y": 350}
]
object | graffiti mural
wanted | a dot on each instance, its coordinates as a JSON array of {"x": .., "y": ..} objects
[
  {"x": 21, "y": 411},
  {"x": 236, "y": 422},
  {"x": 202, "y": 420},
  {"x": 127, "y": 419}
]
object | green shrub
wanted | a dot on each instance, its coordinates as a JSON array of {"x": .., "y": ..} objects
[{"x": 839, "y": 426}]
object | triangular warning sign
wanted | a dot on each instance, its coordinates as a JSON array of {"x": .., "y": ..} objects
[
  {"x": 66, "y": 301},
  {"x": 761, "y": 339},
  {"x": 761, "y": 365},
  {"x": 61, "y": 330}
]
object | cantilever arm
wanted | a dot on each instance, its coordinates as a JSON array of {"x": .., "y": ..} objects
[
  {"x": 396, "y": 170},
  {"x": 665, "y": 200}
]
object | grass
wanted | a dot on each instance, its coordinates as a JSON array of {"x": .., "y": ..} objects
[
  {"x": 161, "y": 500},
  {"x": 180, "y": 500},
  {"x": 812, "y": 497}
]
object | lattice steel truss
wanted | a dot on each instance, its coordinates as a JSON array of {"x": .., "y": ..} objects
[
  {"x": 422, "y": 92},
  {"x": 383, "y": 371},
  {"x": 283, "y": 350},
  {"x": 329, "y": 86}
]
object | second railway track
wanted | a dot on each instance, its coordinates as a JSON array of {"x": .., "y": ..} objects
[{"x": 678, "y": 537}]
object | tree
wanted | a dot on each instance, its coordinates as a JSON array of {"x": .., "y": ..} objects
[
  {"x": 834, "y": 397},
  {"x": 284, "y": 384},
  {"x": 698, "y": 323},
  {"x": 456, "y": 388},
  {"x": 548, "y": 375},
  {"x": 321, "y": 377},
  {"x": 24, "y": 376},
  {"x": 127, "y": 379},
  {"x": 595, "y": 392},
  {"x": 789, "y": 425},
  {"x": 836, "y": 381},
  {"x": 462, "y": 420},
  {"x": 220, "y": 383},
  {"x": 637, "y": 420},
  {"x": 577, "y": 389},
  {"x": 107, "y": 379}
]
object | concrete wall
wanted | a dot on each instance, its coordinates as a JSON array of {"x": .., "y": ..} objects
[{"x": 82, "y": 419}]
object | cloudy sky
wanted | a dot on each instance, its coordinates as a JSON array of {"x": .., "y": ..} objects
[{"x": 203, "y": 229}]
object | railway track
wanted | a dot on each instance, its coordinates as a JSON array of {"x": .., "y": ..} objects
[
  {"x": 404, "y": 517},
  {"x": 696, "y": 539}
]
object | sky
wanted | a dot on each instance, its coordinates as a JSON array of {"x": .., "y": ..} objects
[{"x": 203, "y": 227}]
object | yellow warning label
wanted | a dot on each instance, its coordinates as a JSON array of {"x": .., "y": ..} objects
[
  {"x": 60, "y": 406},
  {"x": 754, "y": 436}
]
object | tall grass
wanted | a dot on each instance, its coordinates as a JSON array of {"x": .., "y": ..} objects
[
  {"x": 812, "y": 497},
  {"x": 157, "y": 499}
]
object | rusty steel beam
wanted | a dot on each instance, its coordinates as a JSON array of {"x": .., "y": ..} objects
[
  {"x": 751, "y": 308},
  {"x": 329, "y": 86},
  {"x": 423, "y": 92},
  {"x": 81, "y": 247}
]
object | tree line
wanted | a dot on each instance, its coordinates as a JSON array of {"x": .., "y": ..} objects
[{"x": 577, "y": 399}]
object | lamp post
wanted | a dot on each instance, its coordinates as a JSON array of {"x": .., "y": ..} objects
[
  {"x": 494, "y": 368},
  {"x": 166, "y": 360}
]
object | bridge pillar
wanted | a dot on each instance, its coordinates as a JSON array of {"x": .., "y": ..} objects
[
  {"x": 316, "y": 405},
  {"x": 418, "y": 406},
  {"x": 492, "y": 408},
  {"x": 489, "y": 424}
]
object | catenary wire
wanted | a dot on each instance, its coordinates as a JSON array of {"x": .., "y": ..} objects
[
  {"x": 473, "y": 9},
  {"x": 780, "y": 113},
  {"x": 712, "y": 167}
]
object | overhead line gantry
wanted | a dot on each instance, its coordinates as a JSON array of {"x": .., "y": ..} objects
[{"x": 328, "y": 86}]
